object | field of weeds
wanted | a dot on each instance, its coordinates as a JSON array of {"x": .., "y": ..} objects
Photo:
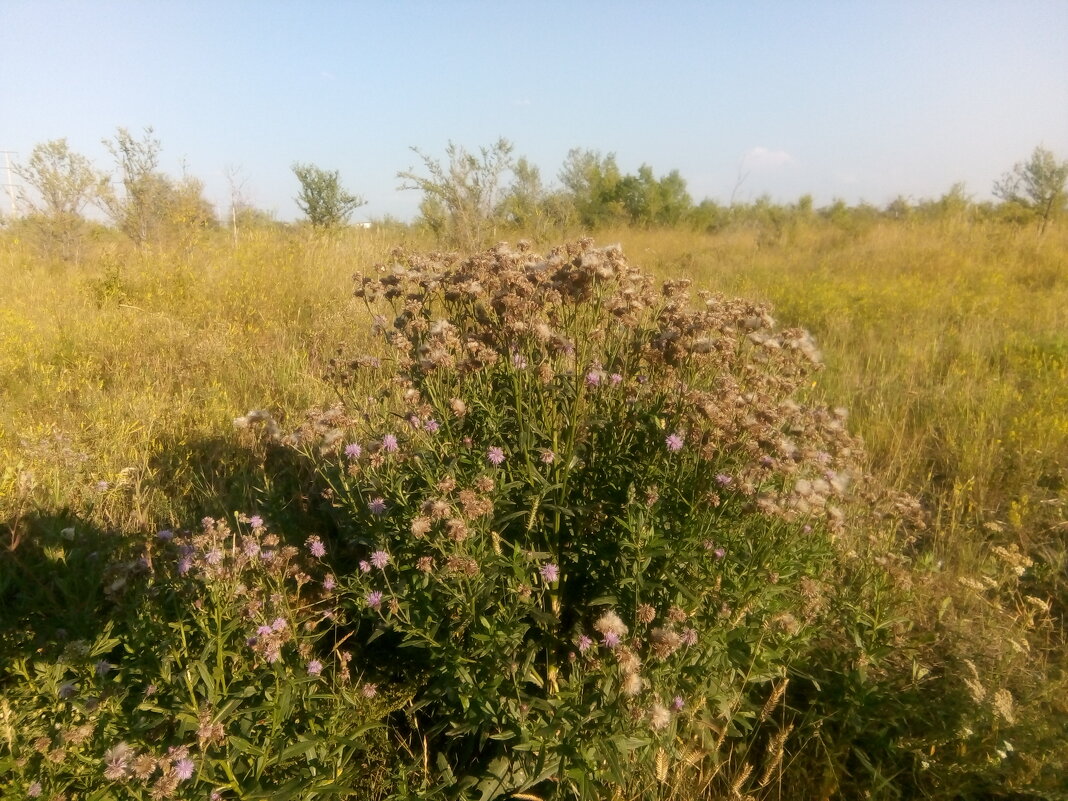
[{"x": 940, "y": 673}]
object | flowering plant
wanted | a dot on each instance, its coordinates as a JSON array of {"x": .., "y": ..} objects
[{"x": 586, "y": 519}]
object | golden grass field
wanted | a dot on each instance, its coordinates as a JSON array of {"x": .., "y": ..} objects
[{"x": 947, "y": 341}]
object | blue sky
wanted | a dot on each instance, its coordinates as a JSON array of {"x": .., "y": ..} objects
[{"x": 859, "y": 100}]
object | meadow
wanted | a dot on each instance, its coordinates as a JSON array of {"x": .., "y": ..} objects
[{"x": 942, "y": 671}]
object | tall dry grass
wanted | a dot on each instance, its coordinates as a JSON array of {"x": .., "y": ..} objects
[{"x": 947, "y": 340}]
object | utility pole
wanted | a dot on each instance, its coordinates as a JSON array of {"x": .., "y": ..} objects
[{"x": 8, "y": 183}]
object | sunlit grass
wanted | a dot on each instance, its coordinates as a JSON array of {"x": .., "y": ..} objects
[{"x": 947, "y": 341}]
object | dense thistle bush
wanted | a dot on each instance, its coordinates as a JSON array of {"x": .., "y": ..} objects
[
  {"x": 213, "y": 678},
  {"x": 588, "y": 524}
]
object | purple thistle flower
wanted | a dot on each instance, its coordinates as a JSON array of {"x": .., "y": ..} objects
[
  {"x": 389, "y": 443},
  {"x": 365, "y": 566},
  {"x": 678, "y": 703},
  {"x": 369, "y": 690},
  {"x": 413, "y": 421},
  {"x": 519, "y": 361},
  {"x": 610, "y": 639},
  {"x": 256, "y": 521},
  {"x": 431, "y": 425},
  {"x": 495, "y": 456},
  {"x": 380, "y": 559},
  {"x": 184, "y": 565},
  {"x": 377, "y": 506},
  {"x": 166, "y": 535},
  {"x": 593, "y": 378},
  {"x": 183, "y": 769},
  {"x": 264, "y": 631},
  {"x": 213, "y": 557},
  {"x": 315, "y": 667},
  {"x": 616, "y": 379},
  {"x": 547, "y": 456},
  {"x": 673, "y": 442},
  {"x": 374, "y": 599},
  {"x": 34, "y": 790},
  {"x": 353, "y": 450},
  {"x": 719, "y": 553},
  {"x": 329, "y": 582},
  {"x": 103, "y": 668},
  {"x": 724, "y": 480},
  {"x": 316, "y": 547},
  {"x": 550, "y": 572},
  {"x": 583, "y": 643},
  {"x": 66, "y": 689},
  {"x": 279, "y": 624}
]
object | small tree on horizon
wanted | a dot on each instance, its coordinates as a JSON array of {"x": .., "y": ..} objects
[
  {"x": 322, "y": 199},
  {"x": 1037, "y": 184},
  {"x": 462, "y": 196},
  {"x": 64, "y": 183}
]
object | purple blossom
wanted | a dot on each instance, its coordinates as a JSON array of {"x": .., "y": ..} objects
[
  {"x": 34, "y": 790},
  {"x": 583, "y": 643},
  {"x": 183, "y": 769},
  {"x": 377, "y": 506},
  {"x": 550, "y": 572},
  {"x": 365, "y": 566},
  {"x": 610, "y": 639},
  {"x": 213, "y": 557},
  {"x": 316, "y": 547},
  {"x": 616, "y": 379},
  {"x": 256, "y": 521},
  {"x": 264, "y": 631},
  {"x": 267, "y": 556},
  {"x": 673, "y": 442},
  {"x": 66, "y": 689},
  {"x": 678, "y": 703},
  {"x": 369, "y": 690},
  {"x": 184, "y": 565},
  {"x": 315, "y": 667},
  {"x": 431, "y": 425},
  {"x": 519, "y": 360},
  {"x": 374, "y": 599},
  {"x": 547, "y": 456},
  {"x": 329, "y": 582},
  {"x": 166, "y": 535},
  {"x": 724, "y": 480},
  {"x": 251, "y": 548},
  {"x": 380, "y": 559},
  {"x": 413, "y": 421},
  {"x": 279, "y": 624},
  {"x": 353, "y": 450},
  {"x": 103, "y": 668},
  {"x": 593, "y": 378},
  {"x": 495, "y": 456},
  {"x": 389, "y": 443},
  {"x": 719, "y": 553}
]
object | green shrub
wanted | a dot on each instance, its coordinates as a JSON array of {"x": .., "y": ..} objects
[
  {"x": 587, "y": 526},
  {"x": 213, "y": 676}
]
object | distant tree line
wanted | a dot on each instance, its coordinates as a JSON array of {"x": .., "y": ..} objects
[{"x": 469, "y": 198}]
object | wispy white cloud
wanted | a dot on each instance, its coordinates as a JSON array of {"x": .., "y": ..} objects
[{"x": 762, "y": 157}]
